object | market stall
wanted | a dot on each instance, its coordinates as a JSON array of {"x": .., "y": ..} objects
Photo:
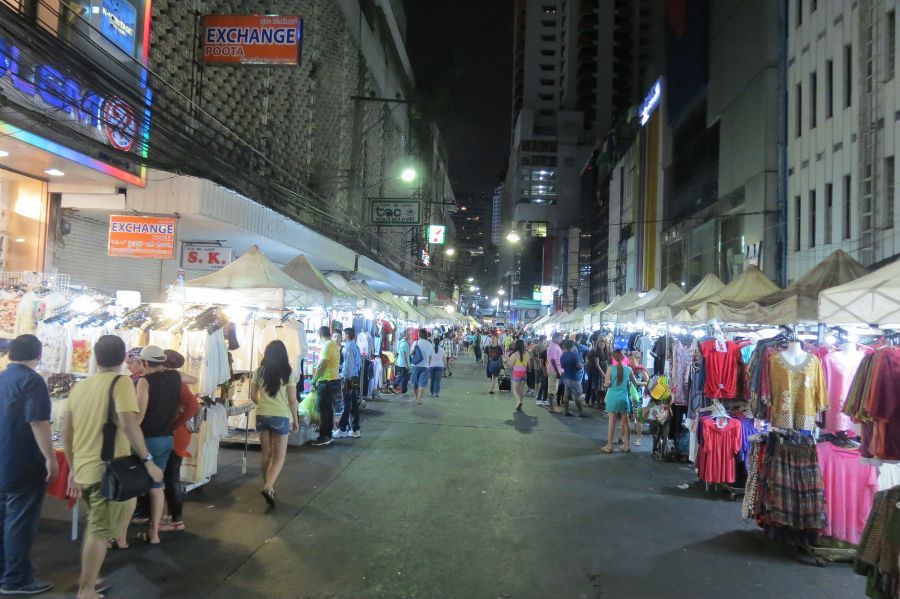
[
  {"x": 749, "y": 286},
  {"x": 301, "y": 270},
  {"x": 871, "y": 299},
  {"x": 657, "y": 309},
  {"x": 680, "y": 310}
]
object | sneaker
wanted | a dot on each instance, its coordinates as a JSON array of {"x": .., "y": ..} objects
[
  {"x": 322, "y": 441},
  {"x": 356, "y": 434},
  {"x": 34, "y": 587},
  {"x": 339, "y": 434}
]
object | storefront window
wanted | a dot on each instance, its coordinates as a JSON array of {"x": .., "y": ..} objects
[
  {"x": 703, "y": 253},
  {"x": 23, "y": 223}
]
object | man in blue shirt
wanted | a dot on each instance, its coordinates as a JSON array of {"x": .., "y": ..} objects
[
  {"x": 27, "y": 464},
  {"x": 572, "y": 375},
  {"x": 401, "y": 368},
  {"x": 351, "y": 371}
]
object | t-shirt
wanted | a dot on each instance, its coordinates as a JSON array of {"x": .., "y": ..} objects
[
  {"x": 87, "y": 404},
  {"x": 645, "y": 345},
  {"x": 426, "y": 348},
  {"x": 23, "y": 400},
  {"x": 403, "y": 354},
  {"x": 722, "y": 369},
  {"x": 439, "y": 358},
  {"x": 274, "y": 406},
  {"x": 573, "y": 369},
  {"x": 554, "y": 353},
  {"x": 494, "y": 352},
  {"x": 331, "y": 358}
]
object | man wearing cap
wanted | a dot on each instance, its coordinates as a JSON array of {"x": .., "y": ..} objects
[
  {"x": 27, "y": 464},
  {"x": 84, "y": 415}
]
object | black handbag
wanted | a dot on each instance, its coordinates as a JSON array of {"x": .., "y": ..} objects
[{"x": 126, "y": 477}]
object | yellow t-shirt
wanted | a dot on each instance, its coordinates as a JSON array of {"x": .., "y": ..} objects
[
  {"x": 87, "y": 404},
  {"x": 274, "y": 406},
  {"x": 331, "y": 357}
]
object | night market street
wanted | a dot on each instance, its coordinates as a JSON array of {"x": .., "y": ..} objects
[{"x": 462, "y": 498}]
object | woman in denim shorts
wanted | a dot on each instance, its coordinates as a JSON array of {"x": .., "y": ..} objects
[{"x": 274, "y": 391}]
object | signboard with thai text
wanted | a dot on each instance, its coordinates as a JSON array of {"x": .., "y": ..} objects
[
  {"x": 199, "y": 256},
  {"x": 150, "y": 237},
  {"x": 395, "y": 213},
  {"x": 252, "y": 39}
]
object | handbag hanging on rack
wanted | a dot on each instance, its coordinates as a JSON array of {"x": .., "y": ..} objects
[{"x": 126, "y": 477}]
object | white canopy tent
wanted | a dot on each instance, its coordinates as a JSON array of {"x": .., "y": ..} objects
[
  {"x": 627, "y": 311},
  {"x": 871, "y": 299},
  {"x": 608, "y": 314},
  {"x": 252, "y": 281},
  {"x": 680, "y": 310},
  {"x": 301, "y": 270},
  {"x": 657, "y": 309},
  {"x": 749, "y": 286}
]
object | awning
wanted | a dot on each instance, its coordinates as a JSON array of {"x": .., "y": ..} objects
[{"x": 871, "y": 299}]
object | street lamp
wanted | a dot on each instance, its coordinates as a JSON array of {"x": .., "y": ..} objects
[
  {"x": 513, "y": 237},
  {"x": 471, "y": 279},
  {"x": 450, "y": 308},
  {"x": 501, "y": 291},
  {"x": 408, "y": 175},
  {"x": 449, "y": 251}
]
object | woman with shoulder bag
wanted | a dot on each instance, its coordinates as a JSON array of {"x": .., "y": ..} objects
[{"x": 518, "y": 362}]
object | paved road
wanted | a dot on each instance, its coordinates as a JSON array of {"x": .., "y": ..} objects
[{"x": 460, "y": 497}]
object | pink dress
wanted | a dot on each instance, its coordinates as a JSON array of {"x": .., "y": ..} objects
[
  {"x": 850, "y": 488},
  {"x": 839, "y": 368}
]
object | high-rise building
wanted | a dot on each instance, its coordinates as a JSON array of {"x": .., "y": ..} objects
[
  {"x": 560, "y": 98},
  {"x": 474, "y": 221}
]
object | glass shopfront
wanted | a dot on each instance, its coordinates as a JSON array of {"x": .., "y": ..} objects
[{"x": 23, "y": 222}]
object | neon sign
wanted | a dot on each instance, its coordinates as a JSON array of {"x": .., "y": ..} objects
[
  {"x": 651, "y": 102},
  {"x": 109, "y": 120}
]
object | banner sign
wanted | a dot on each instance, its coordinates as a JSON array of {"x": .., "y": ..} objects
[
  {"x": 437, "y": 234},
  {"x": 151, "y": 237},
  {"x": 199, "y": 256},
  {"x": 252, "y": 39},
  {"x": 395, "y": 213}
]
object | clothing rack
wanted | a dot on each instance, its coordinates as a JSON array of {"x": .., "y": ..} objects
[{"x": 56, "y": 283}]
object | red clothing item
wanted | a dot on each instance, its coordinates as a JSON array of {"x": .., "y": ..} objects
[
  {"x": 722, "y": 369},
  {"x": 60, "y": 485},
  {"x": 188, "y": 406},
  {"x": 715, "y": 463},
  {"x": 883, "y": 406}
]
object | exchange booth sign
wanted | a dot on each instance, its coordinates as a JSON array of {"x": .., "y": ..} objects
[
  {"x": 252, "y": 39},
  {"x": 199, "y": 256},
  {"x": 395, "y": 213},
  {"x": 151, "y": 237}
]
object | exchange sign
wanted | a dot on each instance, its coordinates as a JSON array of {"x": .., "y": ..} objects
[
  {"x": 395, "y": 213},
  {"x": 252, "y": 39},
  {"x": 151, "y": 237}
]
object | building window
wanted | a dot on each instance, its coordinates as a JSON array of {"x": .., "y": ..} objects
[
  {"x": 545, "y": 112},
  {"x": 813, "y": 93},
  {"x": 548, "y": 52},
  {"x": 812, "y": 218},
  {"x": 799, "y": 13},
  {"x": 546, "y": 82},
  {"x": 846, "y": 199},
  {"x": 536, "y": 229},
  {"x": 829, "y": 89},
  {"x": 546, "y": 97},
  {"x": 548, "y": 23},
  {"x": 548, "y": 38},
  {"x": 889, "y": 192},
  {"x": 829, "y": 215},
  {"x": 548, "y": 9},
  {"x": 813, "y": 5},
  {"x": 798, "y": 118},
  {"x": 848, "y": 76},
  {"x": 797, "y": 223},
  {"x": 891, "y": 41},
  {"x": 546, "y": 67}
]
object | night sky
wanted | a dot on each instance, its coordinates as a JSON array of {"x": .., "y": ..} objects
[{"x": 461, "y": 52}]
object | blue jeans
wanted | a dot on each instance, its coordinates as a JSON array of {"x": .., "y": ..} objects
[
  {"x": 350, "y": 415},
  {"x": 20, "y": 512},
  {"x": 436, "y": 373},
  {"x": 401, "y": 378},
  {"x": 161, "y": 448}
]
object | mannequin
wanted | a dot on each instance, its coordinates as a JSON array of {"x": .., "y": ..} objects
[
  {"x": 849, "y": 349},
  {"x": 794, "y": 354}
]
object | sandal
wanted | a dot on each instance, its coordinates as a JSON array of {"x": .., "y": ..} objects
[
  {"x": 116, "y": 546},
  {"x": 605, "y": 449},
  {"x": 145, "y": 537},
  {"x": 626, "y": 450},
  {"x": 101, "y": 586},
  {"x": 173, "y": 526}
]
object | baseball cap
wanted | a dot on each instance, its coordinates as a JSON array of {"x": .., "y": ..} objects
[
  {"x": 174, "y": 360},
  {"x": 152, "y": 353}
]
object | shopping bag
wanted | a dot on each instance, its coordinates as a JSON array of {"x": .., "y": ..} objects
[
  {"x": 310, "y": 407},
  {"x": 659, "y": 390},
  {"x": 634, "y": 395}
]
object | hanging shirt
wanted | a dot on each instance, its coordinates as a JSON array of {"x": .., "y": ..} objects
[
  {"x": 798, "y": 392},
  {"x": 645, "y": 345},
  {"x": 850, "y": 488},
  {"x": 839, "y": 369},
  {"x": 722, "y": 369}
]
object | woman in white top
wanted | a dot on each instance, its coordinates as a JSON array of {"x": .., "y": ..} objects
[{"x": 436, "y": 368}]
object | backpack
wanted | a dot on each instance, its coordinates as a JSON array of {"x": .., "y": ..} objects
[{"x": 416, "y": 358}]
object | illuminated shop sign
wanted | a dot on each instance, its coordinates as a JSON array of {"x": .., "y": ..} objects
[
  {"x": 118, "y": 23},
  {"x": 107, "y": 119},
  {"x": 651, "y": 102},
  {"x": 437, "y": 234},
  {"x": 252, "y": 39}
]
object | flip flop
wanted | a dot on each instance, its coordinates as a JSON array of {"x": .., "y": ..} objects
[
  {"x": 115, "y": 546},
  {"x": 145, "y": 537},
  {"x": 605, "y": 450},
  {"x": 101, "y": 586}
]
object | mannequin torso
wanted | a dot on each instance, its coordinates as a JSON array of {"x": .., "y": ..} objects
[{"x": 794, "y": 354}]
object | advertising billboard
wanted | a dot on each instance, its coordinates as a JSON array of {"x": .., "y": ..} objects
[
  {"x": 252, "y": 39},
  {"x": 150, "y": 237}
]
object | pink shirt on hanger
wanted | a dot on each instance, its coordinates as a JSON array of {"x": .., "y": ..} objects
[
  {"x": 850, "y": 488},
  {"x": 839, "y": 369}
]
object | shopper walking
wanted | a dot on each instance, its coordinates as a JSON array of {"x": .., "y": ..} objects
[
  {"x": 27, "y": 464},
  {"x": 327, "y": 383},
  {"x": 351, "y": 371},
  {"x": 158, "y": 396},
  {"x": 274, "y": 391},
  {"x": 539, "y": 358},
  {"x": 401, "y": 368},
  {"x": 573, "y": 374},
  {"x": 420, "y": 359},
  {"x": 494, "y": 358},
  {"x": 449, "y": 345},
  {"x": 476, "y": 346},
  {"x": 518, "y": 364},
  {"x": 436, "y": 366},
  {"x": 554, "y": 372},
  {"x": 597, "y": 365},
  {"x": 188, "y": 406},
  {"x": 618, "y": 404},
  {"x": 84, "y": 417}
]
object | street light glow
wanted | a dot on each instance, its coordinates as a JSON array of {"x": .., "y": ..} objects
[
  {"x": 408, "y": 175},
  {"x": 450, "y": 251},
  {"x": 450, "y": 308},
  {"x": 501, "y": 291},
  {"x": 513, "y": 237},
  {"x": 471, "y": 279}
]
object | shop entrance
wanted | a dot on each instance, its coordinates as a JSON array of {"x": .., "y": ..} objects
[{"x": 23, "y": 222}]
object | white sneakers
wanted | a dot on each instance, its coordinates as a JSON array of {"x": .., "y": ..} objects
[{"x": 339, "y": 434}]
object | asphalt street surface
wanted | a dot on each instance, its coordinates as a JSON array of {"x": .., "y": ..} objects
[{"x": 459, "y": 497}]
